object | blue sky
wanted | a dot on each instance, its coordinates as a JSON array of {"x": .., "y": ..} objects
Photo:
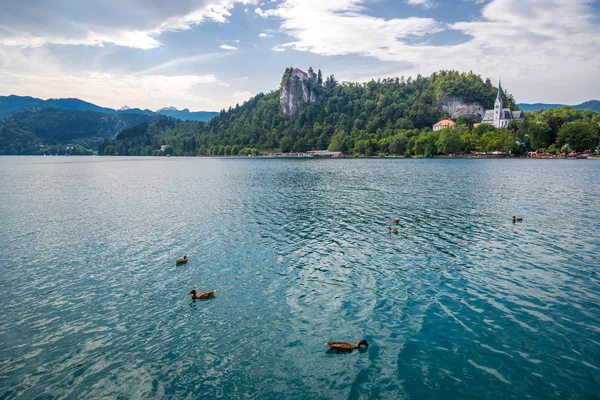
[{"x": 210, "y": 54}]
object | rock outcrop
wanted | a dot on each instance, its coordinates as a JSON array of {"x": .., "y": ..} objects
[
  {"x": 297, "y": 87},
  {"x": 455, "y": 107}
]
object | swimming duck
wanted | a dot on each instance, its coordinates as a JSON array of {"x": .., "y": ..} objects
[
  {"x": 515, "y": 219},
  {"x": 346, "y": 347},
  {"x": 201, "y": 295},
  {"x": 182, "y": 260},
  {"x": 395, "y": 220},
  {"x": 392, "y": 230}
]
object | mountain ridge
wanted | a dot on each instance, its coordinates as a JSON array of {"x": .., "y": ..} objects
[
  {"x": 591, "y": 104},
  {"x": 45, "y": 130},
  {"x": 11, "y": 104}
]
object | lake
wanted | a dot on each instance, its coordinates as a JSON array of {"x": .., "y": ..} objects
[{"x": 462, "y": 303}]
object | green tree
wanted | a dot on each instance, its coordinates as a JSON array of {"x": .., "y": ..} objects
[
  {"x": 286, "y": 144},
  {"x": 339, "y": 142},
  {"x": 579, "y": 135}
]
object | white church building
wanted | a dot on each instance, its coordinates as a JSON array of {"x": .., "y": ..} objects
[{"x": 500, "y": 116}]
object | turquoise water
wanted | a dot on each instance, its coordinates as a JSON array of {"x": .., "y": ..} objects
[{"x": 460, "y": 304}]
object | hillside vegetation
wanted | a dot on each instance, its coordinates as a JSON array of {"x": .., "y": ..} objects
[
  {"x": 344, "y": 114},
  {"x": 51, "y": 130}
]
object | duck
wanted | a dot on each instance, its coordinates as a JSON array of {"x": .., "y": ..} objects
[
  {"x": 201, "y": 295},
  {"x": 345, "y": 347},
  {"x": 395, "y": 220},
  {"x": 392, "y": 230},
  {"x": 182, "y": 260},
  {"x": 515, "y": 219}
]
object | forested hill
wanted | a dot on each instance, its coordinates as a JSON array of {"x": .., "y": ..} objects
[
  {"x": 51, "y": 130},
  {"x": 592, "y": 105},
  {"x": 352, "y": 111}
]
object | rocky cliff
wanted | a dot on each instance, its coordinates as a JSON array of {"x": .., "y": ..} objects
[
  {"x": 297, "y": 87},
  {"x": 456, "y": 107}
]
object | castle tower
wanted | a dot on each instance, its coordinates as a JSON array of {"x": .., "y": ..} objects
[
  {"x": 311, "y": 75},
  {"x": 498, "y": 106}
]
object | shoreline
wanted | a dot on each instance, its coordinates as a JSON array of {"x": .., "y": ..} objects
[{"x": 441, "y": 157}]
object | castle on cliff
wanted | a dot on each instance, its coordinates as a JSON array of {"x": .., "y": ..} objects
[
  {"x": 500, "y": 116},
  {"x": 297, "y": 87},
  {"x": 310, "y": 76}
]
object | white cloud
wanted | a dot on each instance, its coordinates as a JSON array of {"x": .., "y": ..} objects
[
  {"x": 349, "y": 30},
  {"x": 263, "y": 35},
  {"x": 423, "y": 3},
  {"x": 227, "y": 47},
  {"x": 68, "y": 23},
  {"x": 278, "y": 48},
  {"x": 541, "y": 47},
  {"x": 35, "y": 72},
  {"x": 240, "y": 97},
  {"x": 178, "y": 62},
  {"x": 146, "y": 91}
]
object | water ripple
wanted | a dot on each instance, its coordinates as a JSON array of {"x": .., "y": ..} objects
[{"x": 461, "y": 303}]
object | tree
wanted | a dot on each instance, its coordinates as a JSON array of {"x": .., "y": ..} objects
[
  {"x": 319, "y": 78},
  {"x": 465, "y": 120},
  {"x": 286, "y": 144},
  {"x": 540, "y": 134},
  {"x": 300, "y": 146},
  {"x": 579, "y": 135},
  {"x": 448, "y": 141},
  {"x": 339, "y": 142},
  {"x": 398, "y": 144}
]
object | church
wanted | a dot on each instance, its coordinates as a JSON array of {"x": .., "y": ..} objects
[{"x": 500, "y": 116}]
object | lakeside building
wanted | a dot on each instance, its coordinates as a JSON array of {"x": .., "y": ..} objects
[
  {"x": 445, "y": 123},
  {"x": 500, "y": 116},
  {"x": 327, "y": 154}
]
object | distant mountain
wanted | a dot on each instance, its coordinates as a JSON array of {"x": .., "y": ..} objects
[
  {"x": 32, "y": 130},
  {"x": 592, "y": 104},
  {"x": 187, "y": 115},
  {"x": 12, "y": 104}
]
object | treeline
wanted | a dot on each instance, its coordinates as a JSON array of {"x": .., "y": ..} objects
[
  {"x": 555, "y": 131},
  {"x": 58, "y": 131},
  {"x": 362, "y": 111}
]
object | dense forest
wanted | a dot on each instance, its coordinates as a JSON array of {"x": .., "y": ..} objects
[
  {"x": 392, "y": 116},
  {"x": 58, "y": 131},
  {"x": 386, "y": 117},
  {"x": 356, "y": 111}
]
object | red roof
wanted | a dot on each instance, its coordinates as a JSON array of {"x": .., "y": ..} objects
[{"x": 446, "y": 122}]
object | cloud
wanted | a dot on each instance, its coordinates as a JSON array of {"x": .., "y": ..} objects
[
  {"x": 423, "y": 3},
  {"x": 263, "y": 35},
  {"x": 134, "y": 23},
  {"x": 35, "y": 72},
  {"x": 349, "y": 29},
  {"x": 535, "y": 44},
  {"x": 146, "y": 91},
  {"x": 227, "y": 47},
  {"x": 277, "y": 48},
  {"x": 177, "y": 62},
  {"x": 240, "y": 97}
]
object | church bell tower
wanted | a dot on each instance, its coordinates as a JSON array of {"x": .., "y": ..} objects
[{"x": 498, "y": 106}]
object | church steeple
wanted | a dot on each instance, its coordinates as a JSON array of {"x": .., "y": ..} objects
[
  {"x": 499, "y": 96},
  {"x": 498, "y": 106}
]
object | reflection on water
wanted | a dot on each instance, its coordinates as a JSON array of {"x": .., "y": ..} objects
[{"x": 461, "y": 303}]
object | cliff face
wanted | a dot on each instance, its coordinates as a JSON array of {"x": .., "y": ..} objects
[
  {"x": 455, "y": 107},
  {"x": 297, "y": 87}
]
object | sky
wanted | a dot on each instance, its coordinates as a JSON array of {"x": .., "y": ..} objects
[{"x": 212, "y": 54}]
